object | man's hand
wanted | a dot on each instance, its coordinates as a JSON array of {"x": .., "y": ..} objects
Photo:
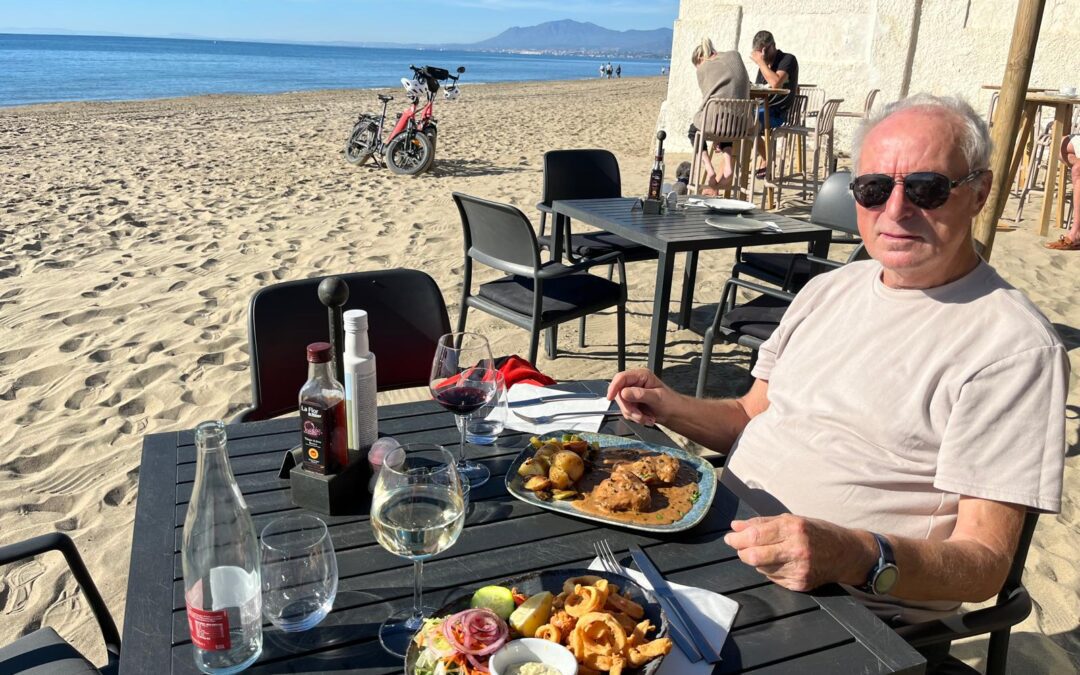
[
  {"x": 641, "y": 396},
  {"x": 758, "y": 57},
  {"x": 803, "y": 553}
]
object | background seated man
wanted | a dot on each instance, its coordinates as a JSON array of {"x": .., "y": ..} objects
[
  {"x": 1070, "y": 241},
  {"x": 933, "y": 431},
  {"x": 779, "y": 71}
]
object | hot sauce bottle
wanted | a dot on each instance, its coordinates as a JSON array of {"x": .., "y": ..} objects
[{"x": 324, "y": 436}]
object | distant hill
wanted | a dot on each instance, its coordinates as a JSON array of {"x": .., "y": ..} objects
[{"x": 575, "y": 37}]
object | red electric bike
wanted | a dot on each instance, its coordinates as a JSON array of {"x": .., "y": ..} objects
[{"x": 409, "y": 149}]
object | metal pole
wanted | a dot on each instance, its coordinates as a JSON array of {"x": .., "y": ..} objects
[{"x": 1014, "y": 86}]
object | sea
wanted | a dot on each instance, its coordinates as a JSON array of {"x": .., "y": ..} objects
[{"x": 46, "y": 68}]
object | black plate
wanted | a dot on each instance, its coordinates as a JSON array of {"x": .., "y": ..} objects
[{"x": 552, "y": 580}]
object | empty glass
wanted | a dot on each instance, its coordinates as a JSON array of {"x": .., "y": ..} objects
[
  {"x": 484, "y": 426},
  {"x": 300, "y": 575}
]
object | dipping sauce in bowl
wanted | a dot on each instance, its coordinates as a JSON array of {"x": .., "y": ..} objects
[
  {"x": 532, "y": 668},
  {"x": 532, "y": 656}
]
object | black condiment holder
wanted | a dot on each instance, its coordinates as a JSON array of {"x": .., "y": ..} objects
[{"x": 345, "y": 492}]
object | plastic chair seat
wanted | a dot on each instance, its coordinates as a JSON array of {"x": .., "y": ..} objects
[
  {"x": 595, "y": 244},
  {"x": 778, "y": 264},
  {"x": 43, "y": 652},
  {"x": 757, "y": 318},
  {"x": 564, "y": 297}
]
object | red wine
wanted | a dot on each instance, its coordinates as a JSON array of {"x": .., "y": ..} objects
[{"x": 462, "y": 400}]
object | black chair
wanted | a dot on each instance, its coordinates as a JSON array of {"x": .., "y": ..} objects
[
  {"x": 753, "y": 322},
  {"x": 406, "y": 317},
  {"x": 44, "y": 652},
  {"x": 533, "y": 295},
  {"x": 834, "y": 207},
  {"x": 1013, "y": 606}
]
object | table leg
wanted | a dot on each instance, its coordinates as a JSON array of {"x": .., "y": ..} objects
[
  {"x": 1065, "y": 115},
  {"x": 661, "y": 299},
  {"x": 686, "y": 305},
  {"x": 1052, "y": 169},
  {"x": 1027, "y": 124},
  {"x": 558, "y": 223}
]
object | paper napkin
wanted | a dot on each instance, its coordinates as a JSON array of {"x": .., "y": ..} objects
[
  {"x": 523, "y": 392},
  {"x": 711, "y": 612}
]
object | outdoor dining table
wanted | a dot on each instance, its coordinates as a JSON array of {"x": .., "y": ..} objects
[
  {"x": 776, "y": 630},
  {"x": 679, "y": 231}
]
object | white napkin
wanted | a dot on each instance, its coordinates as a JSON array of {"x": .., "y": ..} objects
[
  {"x": 523, "y": 391},
  {"x": 711, "y": 612}
]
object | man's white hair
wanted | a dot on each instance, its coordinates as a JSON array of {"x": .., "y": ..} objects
[{"x": 974, "y": 135}]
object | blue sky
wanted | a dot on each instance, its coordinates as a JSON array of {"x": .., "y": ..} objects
[{"x": 426, "y": 21}]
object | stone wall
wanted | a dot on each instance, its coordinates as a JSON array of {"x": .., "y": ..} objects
[{"x": 851, "y": 46}]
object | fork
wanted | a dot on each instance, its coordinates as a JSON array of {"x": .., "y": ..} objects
[
  {"x": 546, "y": 419},
  {"x": 611, "y": 565}
]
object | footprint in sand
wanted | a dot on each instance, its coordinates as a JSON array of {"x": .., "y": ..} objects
[{"x": 17, "y": 584}]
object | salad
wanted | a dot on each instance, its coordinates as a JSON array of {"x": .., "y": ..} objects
[{"x": 460, "y": 644}]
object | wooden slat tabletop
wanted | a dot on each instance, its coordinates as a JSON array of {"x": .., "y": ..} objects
[{"x": 776, "y": 631}]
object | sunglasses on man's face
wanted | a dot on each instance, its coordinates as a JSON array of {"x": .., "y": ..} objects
[{"x": 925, "y": 189}]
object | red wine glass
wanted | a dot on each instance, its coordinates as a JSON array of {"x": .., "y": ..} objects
[{"x": 463, "y": 381}]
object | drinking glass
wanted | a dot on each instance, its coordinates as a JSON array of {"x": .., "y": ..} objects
[
  {"x": 299, "y": 572},
  {"x": 417, "y": 511},
  {"x": 484, "y": 426},
  {"x": 462, "y": 381}
]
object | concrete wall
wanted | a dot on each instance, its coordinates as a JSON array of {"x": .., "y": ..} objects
[{"x": 851, "y": 46}]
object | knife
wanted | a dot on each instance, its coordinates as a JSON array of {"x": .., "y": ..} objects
[
  {"x": 524, "y": 403},
  {"x": 670, "y": 602}
]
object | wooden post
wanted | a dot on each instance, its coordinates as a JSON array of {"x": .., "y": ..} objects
[{"x": 1014, "y": 85}]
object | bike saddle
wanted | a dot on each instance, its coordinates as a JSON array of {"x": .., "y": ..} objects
[{"x": 385, "y": 97}]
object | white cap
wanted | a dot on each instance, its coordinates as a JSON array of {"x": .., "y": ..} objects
[{"x": 355, "y": 320}]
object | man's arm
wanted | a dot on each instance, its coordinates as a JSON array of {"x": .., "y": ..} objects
[
  {"x": 804, "y": 553},
  {"x": 714, "y": 423},
  {"x": 775, "y": 78}
]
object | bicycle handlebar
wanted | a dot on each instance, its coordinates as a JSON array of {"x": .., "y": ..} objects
[{"x": 423, "y": 69}]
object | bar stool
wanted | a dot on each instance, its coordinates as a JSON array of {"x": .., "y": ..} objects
[
  {"x": 797, "y": 117},
  {"x": 726, "y": 120},
  {"x": 822, "y": 133}
]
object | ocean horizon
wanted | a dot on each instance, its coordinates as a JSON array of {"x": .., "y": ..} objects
[{"x": 55, "y": 68}]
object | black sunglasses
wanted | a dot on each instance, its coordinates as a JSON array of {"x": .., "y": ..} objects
[{"x": 925, "y": 189}]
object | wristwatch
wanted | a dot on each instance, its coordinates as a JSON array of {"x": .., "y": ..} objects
[{"x": 883, "y": 575}]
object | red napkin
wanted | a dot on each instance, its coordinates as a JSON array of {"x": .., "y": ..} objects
[{"x": 515, "y": 369}]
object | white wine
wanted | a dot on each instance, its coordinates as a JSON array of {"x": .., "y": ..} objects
[{"x": 417, "y": 521}]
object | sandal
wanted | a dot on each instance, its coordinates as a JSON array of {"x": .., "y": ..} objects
[
  {"x": 760, "y": 174},
  {"x": 1064, "y": 244}
]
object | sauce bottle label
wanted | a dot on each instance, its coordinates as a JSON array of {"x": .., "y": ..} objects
[
  {"x": 315, "y": 430},
  {"x": 209, "y": 630}
]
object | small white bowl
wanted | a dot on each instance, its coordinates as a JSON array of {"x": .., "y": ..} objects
[{"x": 533, "y": 649}]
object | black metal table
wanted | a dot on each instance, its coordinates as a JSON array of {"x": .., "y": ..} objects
[
  {"x": 678, "y": 232},
  {"x": 776, "y": 631}
]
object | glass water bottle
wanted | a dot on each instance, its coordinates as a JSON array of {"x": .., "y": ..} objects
[{"x": 221, "y": 563}]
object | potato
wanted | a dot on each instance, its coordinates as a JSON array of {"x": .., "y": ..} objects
[
  {"x": 561, "y": 495},
  {"x": 570, "y": 462},
  {"x": 536, "y": 483},
  {"x": 559, "y": 478},
  {"x": 547, "y": 450},
  {"x": 578, "y": 447},
  {"x": 533, "y": 467}
]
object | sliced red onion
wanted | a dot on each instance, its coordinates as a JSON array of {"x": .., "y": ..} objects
[{"x": 482, "y": 630}]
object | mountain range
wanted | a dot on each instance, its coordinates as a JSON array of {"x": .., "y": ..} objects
[{"x": 575, "y": 37}]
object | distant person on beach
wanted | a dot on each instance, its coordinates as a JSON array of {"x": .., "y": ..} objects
[
  {"x": 618, "y": 71},
  {"x": 779, "y": 71},
  {"x": 1070, "y": 241},
  {"x": 603, "y": 69},
  {"x": 902, "y": 464},
  {"x": 719, "y": 75}
]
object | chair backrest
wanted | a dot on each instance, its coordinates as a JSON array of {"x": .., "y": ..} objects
[
  {"x": 868, "y": 106},
  {"x": 406, "y": 317},
  {"x": 827, "y": 115},
  {"x": 796, "y": 113},
  {"x": 498, "y": 235},
  {"x": 992, "y": 110},
  {"x": 834, "y": 205},
  {"x": 580, "y": 174},
  {"x": 729, "y": 119},
  {"x": 815, "y": 98}
]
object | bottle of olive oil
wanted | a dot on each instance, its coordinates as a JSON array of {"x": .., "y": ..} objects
[{"x": 656, "y": 178}]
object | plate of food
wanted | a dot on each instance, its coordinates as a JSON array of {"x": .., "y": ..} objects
[
  {"x": 606, "y": 621},
  {"x": 614, "y": 480},
  {"x": 722, "y": 205}
]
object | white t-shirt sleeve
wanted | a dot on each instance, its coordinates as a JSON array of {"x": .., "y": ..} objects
[
  {"x": 804, "y": 302},
  {"x": 1005, "y": 438}
]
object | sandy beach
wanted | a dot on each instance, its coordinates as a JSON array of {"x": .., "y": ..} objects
[{"x": 133, "y": 234}]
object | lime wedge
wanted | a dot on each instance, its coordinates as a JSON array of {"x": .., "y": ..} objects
[{"x": 496, "y": 598}]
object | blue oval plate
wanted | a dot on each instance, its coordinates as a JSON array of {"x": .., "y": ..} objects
[{"x": 706, "y": 480}]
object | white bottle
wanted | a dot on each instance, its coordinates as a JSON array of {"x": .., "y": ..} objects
[{"x": 360, "y": 400}]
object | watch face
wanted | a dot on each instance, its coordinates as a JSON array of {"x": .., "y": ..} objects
[{"x": 885, "y": 580}]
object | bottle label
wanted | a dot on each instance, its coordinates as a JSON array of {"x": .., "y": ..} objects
[
  {"x": 209, "y": 630},
  {"x": 315, "y": 430}
]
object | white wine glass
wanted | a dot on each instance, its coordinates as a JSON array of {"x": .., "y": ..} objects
[
  {"x": 417, "y": 511},
  {"x": 463, "y": 381}
]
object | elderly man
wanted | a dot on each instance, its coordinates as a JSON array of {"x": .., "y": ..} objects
[
  {"x": 1070, "y": 241},
  {"x": 779, "y": 71},
  {"x": 909, "y": 409}
]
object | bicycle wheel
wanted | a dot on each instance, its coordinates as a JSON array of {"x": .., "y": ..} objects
[
  {"x": 409, "y": 153},
  {"x": 361, "y": 143},
  {"x": 432, "y": 132}
]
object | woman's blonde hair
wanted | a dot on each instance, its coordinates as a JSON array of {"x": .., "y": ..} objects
[{"x": 704, "y": 50}]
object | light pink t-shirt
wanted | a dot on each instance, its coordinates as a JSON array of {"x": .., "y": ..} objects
[{"x": 886, "y": 405}]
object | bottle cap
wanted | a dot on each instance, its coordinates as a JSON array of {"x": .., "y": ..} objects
[
  {"x": 319, "y": 352},
  {"x": 355, "y": 320}
]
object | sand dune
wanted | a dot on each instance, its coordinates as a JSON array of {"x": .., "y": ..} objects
[{"x": 133, "y": 234}]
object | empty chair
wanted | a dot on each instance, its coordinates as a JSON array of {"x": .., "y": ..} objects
[
  {"x": 44, "y": 652},
  {"x": 406, "y": 317},
  {"x": 834, "y": 207},
  {"x": 797, "y": 115},
  {"x": 532, "y": 295},
  {"x": 726, "y": 120},
  {"x": 822, "y": 135},
  {"x": 815, "y": 98}
]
